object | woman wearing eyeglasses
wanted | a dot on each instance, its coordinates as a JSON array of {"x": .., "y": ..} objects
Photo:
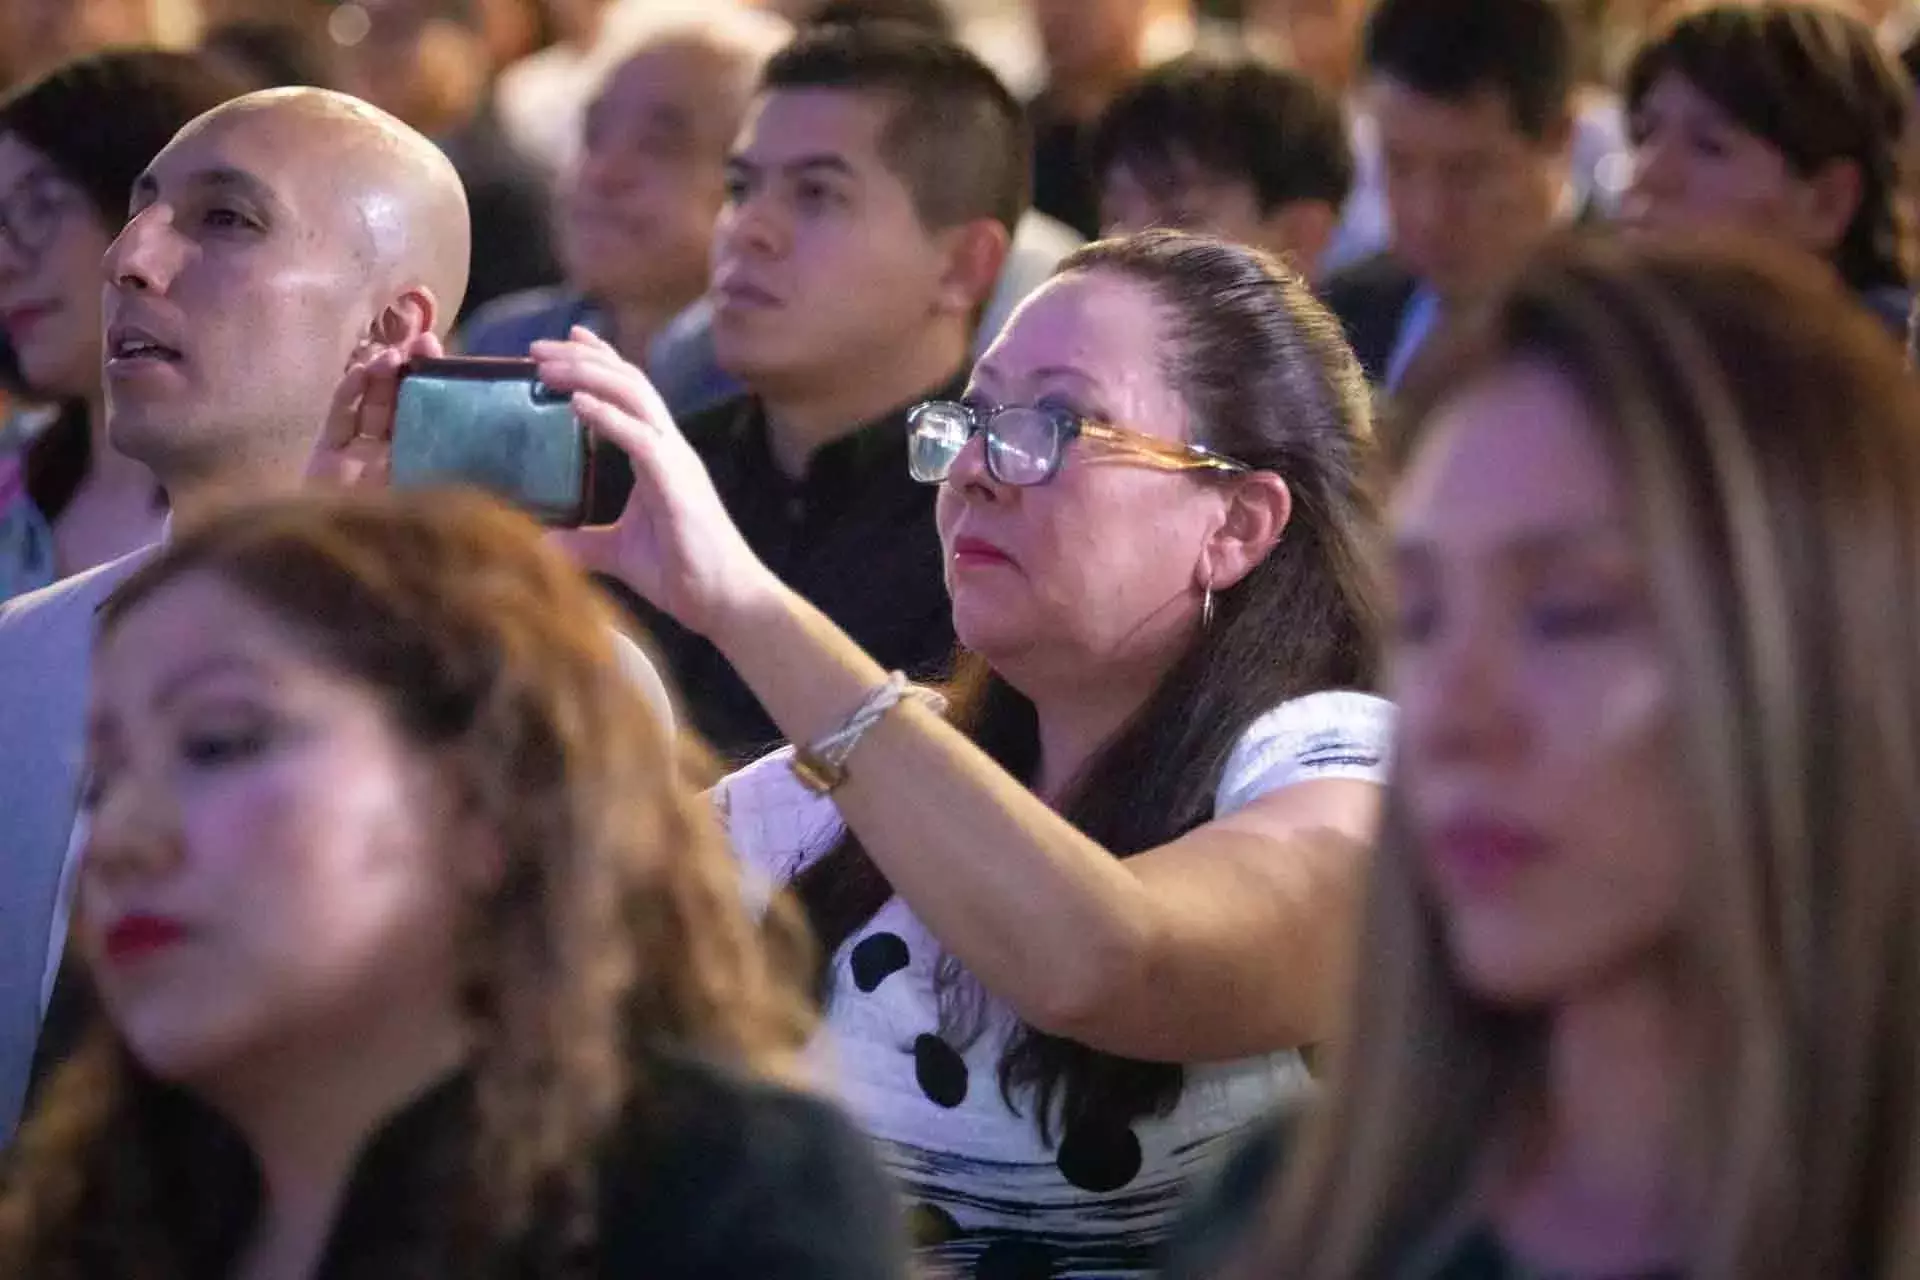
[
  {"x": 70, "y": 150},
  {"x": 1078, "y": 927}
]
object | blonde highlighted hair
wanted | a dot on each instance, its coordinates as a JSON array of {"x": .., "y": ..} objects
[{"x": 1770, "y": 443}]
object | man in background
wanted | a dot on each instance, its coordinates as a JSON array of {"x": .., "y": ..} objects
[
  {"x": 1236, "y": 149},
  {"x": 871, "y": 199},
  {"x": 425, "y": 62},
  {"x": 1473, "y": 100},
  {"x": 637, "y": 212}
]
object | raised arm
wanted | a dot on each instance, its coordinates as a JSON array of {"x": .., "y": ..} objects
[{"x": 1224, "y": 943}]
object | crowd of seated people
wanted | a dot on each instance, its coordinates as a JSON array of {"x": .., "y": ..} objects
[{"x": 1281, "y": 648}]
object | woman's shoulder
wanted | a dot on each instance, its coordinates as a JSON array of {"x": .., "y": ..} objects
[
  {"x": 733, "y": 1176},
  {"x": 1338, "y": 733}
]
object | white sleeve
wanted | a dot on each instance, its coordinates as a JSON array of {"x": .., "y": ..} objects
[
  {"x": 774, "y": 824},
  {"x": 1323, "y": 735}
]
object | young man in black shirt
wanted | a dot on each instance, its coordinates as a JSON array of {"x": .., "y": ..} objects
[
  {"x": 1474, "y": 103},
  {"x": 871, "y": 199}
]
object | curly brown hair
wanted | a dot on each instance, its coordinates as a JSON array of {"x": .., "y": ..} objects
[{"x": 616, "y": 930}]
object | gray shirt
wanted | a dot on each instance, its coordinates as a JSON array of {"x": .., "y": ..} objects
[{"x": 46, "y": 654}]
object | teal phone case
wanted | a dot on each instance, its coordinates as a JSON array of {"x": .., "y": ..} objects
[{"x": 488, "y": 423}]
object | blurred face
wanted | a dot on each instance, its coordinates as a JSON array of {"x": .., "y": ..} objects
[
  {"x": 1322, "y": 36},
  {"x": 262, "y": 870},
  {"x": 1541, "y": 779},
  {"x": 1090, "y": 37},
  {"x": 637, "y": 218},
  {"x": 235, "y": 295},
  {"x": 820, "y": 259},
  {"x": 1097, "y": 568},
  {"x": 383, "y": 66},
  {"x": 1693, "y": 166},
  {"x": 1189, "y": 197},
  {"x": 1466, "y": 190},
  {"x": 50, "y": 248},
  {"x": 418, "y": 65},
  {"x": 41, "y": 34}
]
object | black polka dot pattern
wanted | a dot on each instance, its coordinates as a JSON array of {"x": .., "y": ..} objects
[
  {"x": 877, "y": 957},
  {"x": 929, "y": 1225},
  {"x": 1015, "y": 1260},
  {"x": 1099, "y": 1158},
  {"x": 941, "y": 1071}
]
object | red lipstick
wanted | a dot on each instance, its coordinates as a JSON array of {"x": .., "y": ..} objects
[
  {"x": 134, "y": 937},
  {"x": 978, "y": 551},
  {"x": 1482, "y": 853}
]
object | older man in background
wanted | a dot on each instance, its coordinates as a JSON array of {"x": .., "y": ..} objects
[{"x": 637, "y": 213}]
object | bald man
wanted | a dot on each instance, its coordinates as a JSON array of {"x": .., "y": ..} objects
[
  {"x": 637, "y": 213},
  {"x": 268, "y": 242},
  {"x": 273, "y": 239}
]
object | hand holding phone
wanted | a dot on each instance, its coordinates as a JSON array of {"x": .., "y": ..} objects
[
  {"x": 355, "y": 445},
  {"x": 492, "y": 424},
  {"x": 674, "y": 542}
]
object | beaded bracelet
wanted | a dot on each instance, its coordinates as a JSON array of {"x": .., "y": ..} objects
[{"x": 822, "y": 766}]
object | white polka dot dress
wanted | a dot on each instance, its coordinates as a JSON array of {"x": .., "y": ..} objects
[{"x": 989, "y": 1201}]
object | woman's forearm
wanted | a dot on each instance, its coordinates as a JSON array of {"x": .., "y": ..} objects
[{"x": 1044, "y": 917}]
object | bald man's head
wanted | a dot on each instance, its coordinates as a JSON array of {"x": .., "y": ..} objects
[
  {"x": 272, "y": 237},
  {"x": 637, "y": 217},
  {"x": 400, "y": 188}
]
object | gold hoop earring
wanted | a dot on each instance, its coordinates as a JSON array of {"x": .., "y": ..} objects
[{"x": 1206, "y": 609}]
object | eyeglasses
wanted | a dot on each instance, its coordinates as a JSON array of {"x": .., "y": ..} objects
[
  {"x": 1025, "y": 443},
  {"x": 30, "y": 214}
]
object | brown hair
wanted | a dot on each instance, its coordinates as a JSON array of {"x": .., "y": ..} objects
[
  {"x": 1813, "y": 83},
  {"x": 615, "y": 931},
  {"x": 1771, "y": 443}
]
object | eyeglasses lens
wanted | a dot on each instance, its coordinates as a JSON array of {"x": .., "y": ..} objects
[
  {"x": 1022, "y": 445},
  {"x": 938, "y": 433}
]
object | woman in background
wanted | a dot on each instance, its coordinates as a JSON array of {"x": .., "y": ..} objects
[
  {"x": 417, "y": 956},
  {"x": 1642, "y": 990},
  {"x": 71, "y": 146},
  {"x": 1786, "y": 120}
]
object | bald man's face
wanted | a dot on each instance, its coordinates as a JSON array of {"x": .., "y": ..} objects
[
  {"x": 637, "y": 218},
  {"x": 235, "y": 296}
]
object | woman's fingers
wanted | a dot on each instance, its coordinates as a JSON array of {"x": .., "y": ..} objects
[
  {"x": 375, "y": 419},
  {"x": 614, "y": 382},
  {"x": 342, "y": 422},
  {"x": 353, "y": 449},
  {"x": 595, "y": 548},
  {"x": 587, "y": 337}
]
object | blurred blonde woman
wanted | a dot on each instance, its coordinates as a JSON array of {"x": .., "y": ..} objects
[{"x": 1640, "y": 989}]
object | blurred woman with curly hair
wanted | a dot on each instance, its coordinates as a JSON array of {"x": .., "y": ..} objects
[{"x": 416, "y": 954}]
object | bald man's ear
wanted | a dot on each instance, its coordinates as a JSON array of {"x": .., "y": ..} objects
[{"x": 407, "y": 317}]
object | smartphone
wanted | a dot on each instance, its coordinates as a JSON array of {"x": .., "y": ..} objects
[{"x": 490, "y": 423}]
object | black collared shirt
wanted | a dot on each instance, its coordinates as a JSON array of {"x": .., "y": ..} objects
[
  {"x": 855, "y": 535},
  {"x": 1064, "y": 186}
]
